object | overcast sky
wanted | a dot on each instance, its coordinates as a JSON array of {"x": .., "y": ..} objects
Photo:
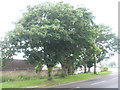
[{"x": 106, "y": 11}]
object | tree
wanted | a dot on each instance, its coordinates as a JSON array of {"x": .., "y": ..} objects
[
  {"x": 50, "y": 33},
  {"x": 89, "y": 65},
  {"x": 112, "y": 64},
  {"x": 106, "y": 41},
  {"x": 47, "y": 33}
]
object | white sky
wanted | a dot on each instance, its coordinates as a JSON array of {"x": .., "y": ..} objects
[{"x": 106, "y": 12}]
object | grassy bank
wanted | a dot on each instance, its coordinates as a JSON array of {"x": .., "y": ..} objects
[{"x": 44, "y": 82}]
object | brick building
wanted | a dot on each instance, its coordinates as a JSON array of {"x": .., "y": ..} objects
[{"x": 13, "y": 65}]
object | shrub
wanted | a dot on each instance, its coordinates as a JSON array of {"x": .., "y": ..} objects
[
  {"x": 59, "y": 74},
  {"x": 63, "y": 75},
  {"x": 21, "y": 77},
  {"x": 41, "y": 77},
  {"x": 7, "y": 79},
  {"x": 38, "y": 77},
  {"x": 104, "y": 69}
]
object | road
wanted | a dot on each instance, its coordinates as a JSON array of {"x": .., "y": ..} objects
[{"x": 107, "y": 81}]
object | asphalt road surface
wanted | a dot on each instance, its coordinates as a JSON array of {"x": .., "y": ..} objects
[{"x": 107, "y": 81}]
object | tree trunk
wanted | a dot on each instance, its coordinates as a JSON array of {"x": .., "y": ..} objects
[
  {"x": 88, "y": 69},
  {"x": 95, "y": 67},
  {"x": 49, "y": 73},
  {"x": 85, "y": 67},
  {"x": 64, "y": 70},
  {"x": 71, "y": 71}
]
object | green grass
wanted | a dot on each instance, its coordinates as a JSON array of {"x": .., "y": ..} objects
[
  {"x": 44, "y": 82},
  {"x": 18, "y": 84},
  {"x": 20, "y": 78},
  {"x": 78, "y": 77}
]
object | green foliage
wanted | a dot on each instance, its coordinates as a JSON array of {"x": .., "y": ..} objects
[
  {"x": 56, "y": 67},
  {"x": 104, "y": 69},
  {"x": 49, "y": 73},
  {"x": 21, "y": 77},
  {"x": 57, "y": 75},
  {"x": 112, "y": 64},
  {"x": 7, "y": 79},
  {"x": 58, "y": 33},
  {"x": 38, "y": 67}
]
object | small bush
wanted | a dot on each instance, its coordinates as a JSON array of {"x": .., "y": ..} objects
[
  {"x": 59, "y": 74},
  {"x": 50, "y": 78},
  {"x": 7, "y": 79},
  {"x": 104, "y": 69},
  {"x": 38, "y": 77},
  {"x": 41, "y": 77},
  {"x": 21, "y": 77},
  {"x": 63, "y": 75}
]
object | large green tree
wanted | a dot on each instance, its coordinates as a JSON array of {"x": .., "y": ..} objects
[
  {"x": 50, "y": 33},
  {"x": 56, "y": 33},
  {"x": 106, "y": 41}
]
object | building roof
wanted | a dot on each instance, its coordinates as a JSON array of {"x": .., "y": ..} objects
[{"x": 11, "y": 65}]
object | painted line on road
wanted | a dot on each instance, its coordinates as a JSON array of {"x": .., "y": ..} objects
[
  {"x": 98, "y": 83},
  {"x": 73, "y": 88},
  {"x": 69, "y": 89},
  {"x": 53, "y": 86},
  {"x": 77, "y": 87}
]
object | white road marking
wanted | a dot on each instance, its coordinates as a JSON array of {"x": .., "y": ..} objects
[
  {"x": 69, "y": 89},
  {"x": 98, "y": 83},
  {"x": 77, "y": 87}
]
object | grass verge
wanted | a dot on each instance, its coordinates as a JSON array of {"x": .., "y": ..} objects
[{"x": 44, "y": 82}]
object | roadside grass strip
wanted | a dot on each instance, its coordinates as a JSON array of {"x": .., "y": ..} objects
[{"x": 45, "y": 82}]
